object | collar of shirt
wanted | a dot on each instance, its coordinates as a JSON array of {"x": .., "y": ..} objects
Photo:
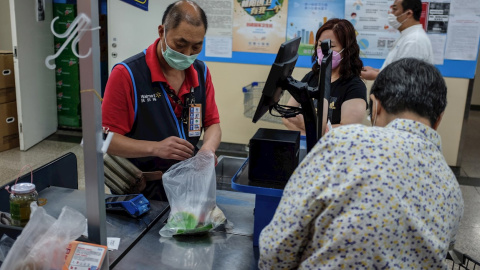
[
  {"x": 404, "y": 33},
  {"x": 411, "y": 29},
  {"x": 191, "y": 77},
  {"x": 417, "y": 128}
]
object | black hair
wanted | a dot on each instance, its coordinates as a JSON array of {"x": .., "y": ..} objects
[
  {"x": 175, "y": 14},
  {"x": 415, "y": 6},
  {"x": 412, "y": 85}
]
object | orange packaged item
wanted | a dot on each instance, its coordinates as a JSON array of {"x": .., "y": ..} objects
[{"x": 84, "y": 256}]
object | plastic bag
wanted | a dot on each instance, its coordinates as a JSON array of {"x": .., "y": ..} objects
[
  {"x": 44, "y": 240},
  {"x": 6, "y": 244},
  {"x": 186, "y": 253},
  {"x": 190, "y": 187}
]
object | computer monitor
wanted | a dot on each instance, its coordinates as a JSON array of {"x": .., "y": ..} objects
[
  {"x": 281, "y": 69},
  {"x": 280, "y": 79}
]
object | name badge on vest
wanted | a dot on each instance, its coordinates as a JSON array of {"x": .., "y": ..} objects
[{"x": 194, "y": 120}]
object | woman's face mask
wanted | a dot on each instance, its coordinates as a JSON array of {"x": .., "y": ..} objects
[
  {"x": 336, "y": 57},
  {"x": 175, "y": 59}
]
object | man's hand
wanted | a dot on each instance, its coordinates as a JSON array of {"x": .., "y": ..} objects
[
  {"x": 211, "y": 139},
  {"x": 173, "y": 148},
  {"x": 369, "y": 73}
]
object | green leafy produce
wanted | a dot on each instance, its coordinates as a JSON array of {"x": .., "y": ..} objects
[
  {"x": 184, "y": 220},
  {"x": 198, "y": 230},
  {"x": 187, "y": 223}
]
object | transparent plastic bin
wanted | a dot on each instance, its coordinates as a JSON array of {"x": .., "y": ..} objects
[{"x": 252, "y": 94}]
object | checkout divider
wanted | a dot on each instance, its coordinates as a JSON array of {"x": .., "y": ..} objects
[{"x": 267, "y": 195}]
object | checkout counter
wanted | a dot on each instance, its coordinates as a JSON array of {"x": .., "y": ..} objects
[
  {"x": 142, "y": 247},
  {"x": 249, "y": 205}
]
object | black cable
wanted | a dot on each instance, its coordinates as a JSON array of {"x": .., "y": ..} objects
[{"x": 285, "y": 111}]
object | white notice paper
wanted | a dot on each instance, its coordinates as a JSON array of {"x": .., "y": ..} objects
[
  {"x": 438, "y": 46},
  {"x": 462, "y": 38},
  {"x": 218, "y": 40},
  {"x": 113, "y": 243},
  {"x": 218, "y": 46},
  {"x": 220, "y": 16},
  {"x": 465, "y": 7}
]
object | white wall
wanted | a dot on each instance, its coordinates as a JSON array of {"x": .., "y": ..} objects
[
  {"x": 5, "y": 27},
  {"x": 229, "y": 78}
]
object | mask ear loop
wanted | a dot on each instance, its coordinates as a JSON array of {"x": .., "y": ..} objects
[
  {"x": 375, "y": 119},
  {"x": 165, "y": 39},
  {"x": 339, "y": 53},
  {"x": 405, "y": 18}
]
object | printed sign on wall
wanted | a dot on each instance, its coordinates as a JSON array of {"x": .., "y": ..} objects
[{"x": 259, "y": 26}]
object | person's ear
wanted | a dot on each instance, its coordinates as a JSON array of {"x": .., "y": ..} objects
[
  {"x": 376, "y": 105},
  {"x": 161, "y": 30},
  {"x": 437, "y": 123},
  {"x": 379, "y": 109}
]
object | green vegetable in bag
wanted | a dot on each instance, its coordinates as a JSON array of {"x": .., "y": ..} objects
[{"x": 184, "y": 220}]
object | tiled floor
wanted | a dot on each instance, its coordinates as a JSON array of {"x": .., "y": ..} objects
[
  {"x": 11, "y": 161},
  {"x": 468, "y": 238}
]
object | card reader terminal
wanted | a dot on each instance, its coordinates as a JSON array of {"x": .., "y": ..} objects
[{"x": 134, "y": 204}]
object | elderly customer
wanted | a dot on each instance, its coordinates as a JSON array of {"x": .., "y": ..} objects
[{"x": 379, "y": 197}]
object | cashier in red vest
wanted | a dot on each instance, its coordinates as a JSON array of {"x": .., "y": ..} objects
[{"x": 159, "y": 101}]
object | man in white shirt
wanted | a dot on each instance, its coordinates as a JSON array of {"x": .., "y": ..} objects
[{"x": 413, "y": 41}]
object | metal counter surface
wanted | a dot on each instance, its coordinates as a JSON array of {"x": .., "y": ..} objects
[
  {"x": 219, "y": 250},
  {"x": 128, "y": 229}
]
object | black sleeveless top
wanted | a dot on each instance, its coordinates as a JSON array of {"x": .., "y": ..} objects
[{"x": 341, "y": 90}]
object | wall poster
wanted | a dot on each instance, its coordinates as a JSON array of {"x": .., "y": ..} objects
[
  {"x": 370, "y": 19},
  {"x": 305, "y": 17},
  {"x": 259, "y": 25}
]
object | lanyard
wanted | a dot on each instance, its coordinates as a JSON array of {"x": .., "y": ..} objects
[
  {"x": 190, "y": 100},
  {"x": 181, "y": 133}
]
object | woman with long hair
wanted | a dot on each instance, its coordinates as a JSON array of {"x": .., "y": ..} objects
[{"x": 348, "y": 101}]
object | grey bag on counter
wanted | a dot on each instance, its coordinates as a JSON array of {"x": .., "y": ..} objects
[{"x": 122, "y": 177}]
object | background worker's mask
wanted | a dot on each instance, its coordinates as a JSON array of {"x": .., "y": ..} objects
[{"x": 392, "y": 20}]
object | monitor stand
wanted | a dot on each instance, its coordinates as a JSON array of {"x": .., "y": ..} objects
[{"x": 304, "y": 94}]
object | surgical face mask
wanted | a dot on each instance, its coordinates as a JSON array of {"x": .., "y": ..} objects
[
  {"x": 175, "y": 59},
  {"x": 392, "y": 20},
  {"x": 336, "y": 57}
]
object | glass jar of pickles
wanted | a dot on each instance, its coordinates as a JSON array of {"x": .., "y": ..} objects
[{"x": 21, "y": 196}]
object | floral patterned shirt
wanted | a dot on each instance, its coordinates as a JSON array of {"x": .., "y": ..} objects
[{"x": 367, "y": 198}]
